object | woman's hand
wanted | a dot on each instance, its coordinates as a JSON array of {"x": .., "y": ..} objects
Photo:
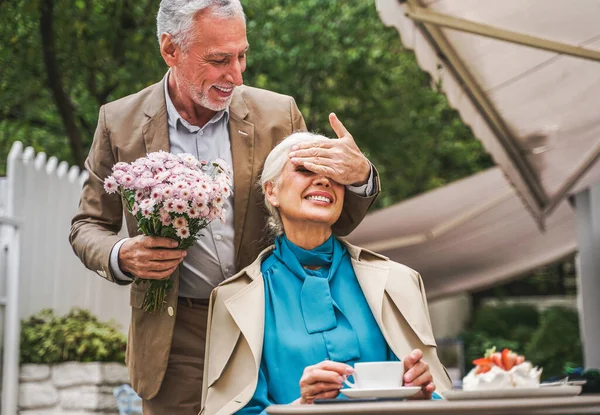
[
  {"x": 322, "y": 381},
  {"x": 416, "y": 373}
]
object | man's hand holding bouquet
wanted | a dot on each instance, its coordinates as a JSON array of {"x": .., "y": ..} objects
[{"x": 172, "y": 196}]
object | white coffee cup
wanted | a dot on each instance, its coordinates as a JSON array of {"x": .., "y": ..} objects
[{"x": 377, "y": 375}]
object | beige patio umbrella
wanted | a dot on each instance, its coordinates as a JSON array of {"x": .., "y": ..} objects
[
  {"x": 525, "y": 76},
  {"x": 468, "y": 235}
]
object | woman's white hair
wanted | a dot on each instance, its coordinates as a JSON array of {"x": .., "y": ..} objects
[
  {"x": 176, "y": 17},
  {"x": 274, "y": 164}
]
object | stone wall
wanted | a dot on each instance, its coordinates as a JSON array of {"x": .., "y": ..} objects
[{"x": 70, "y": 388}]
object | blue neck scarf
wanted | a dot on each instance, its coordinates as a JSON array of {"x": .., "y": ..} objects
[{"x": 320, "y": 312}]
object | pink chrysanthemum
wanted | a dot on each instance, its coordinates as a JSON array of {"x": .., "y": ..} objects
[
  {"x": 167, "y": 192},
  {"x": 193, "y": 212},
  {"x": 127, "y": 181},
  {"x": 157, "y": 194},
  {"x": 180, "y": 222},
  {"x": 169, "y": 205},
  {"x": 183, "y": 232},
  {"x": 180, "y": 206},
  {"x": 161, "y": 176},
  {"x": 110, "y": 185},
  {"x": 189, "y": 160},
  {"x": 165, "y": 217},
  {"x": 121, "y": 166},
  {"x": 218, "y": 201},
  {"x": 118, "y": 174},
  {"x": 185, "y": 193},
  {"x": 138, "y": 169},
  {"x": 147, "y": 204}
]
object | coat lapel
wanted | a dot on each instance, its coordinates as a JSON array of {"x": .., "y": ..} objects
[
  {"x": 372, "y": 280},
  {"x": 247, "y": 310},
  {"x": 241, "y": 135},
  {"x": 387, "y": 297},
  {"x": 156, "y": 128}
]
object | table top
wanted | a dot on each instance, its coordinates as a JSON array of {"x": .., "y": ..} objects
[{"x": 583, "y": 404}]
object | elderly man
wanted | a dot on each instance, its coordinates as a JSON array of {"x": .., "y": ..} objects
[{"x": 200, "y": 107}]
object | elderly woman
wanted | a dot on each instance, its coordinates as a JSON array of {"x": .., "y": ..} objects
[{"x": 288, "y": 328}]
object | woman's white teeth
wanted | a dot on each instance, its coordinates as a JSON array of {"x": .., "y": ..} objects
[{"x": 319, "y": 198}]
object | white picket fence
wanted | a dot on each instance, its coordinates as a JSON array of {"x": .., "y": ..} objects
[
  {"x": 43, "y": 194},
  {"x": 38, "y": 268}
]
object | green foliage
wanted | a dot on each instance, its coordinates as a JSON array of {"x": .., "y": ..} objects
[
  {"x": 503, "y": 327},
  {"x": 336, "y": 56},
  {"x": 556, "y": 342},
  {"x": 550, "y": 340},
  {"x": 332, "y": 56},
  {"x": 78, "y": 336},
  {"x": 104, "y": 50}
]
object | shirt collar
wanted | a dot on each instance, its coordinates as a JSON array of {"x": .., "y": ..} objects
[{"x": 173, "y": 116}]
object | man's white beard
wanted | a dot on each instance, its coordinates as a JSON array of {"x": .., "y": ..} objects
[{"x": 205, "y": 102}]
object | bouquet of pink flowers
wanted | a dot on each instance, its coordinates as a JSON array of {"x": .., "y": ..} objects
[{"x": 173, "y": 196}]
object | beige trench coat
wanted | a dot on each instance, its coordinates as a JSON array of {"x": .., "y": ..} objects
[{"x": 394, "y": 292}]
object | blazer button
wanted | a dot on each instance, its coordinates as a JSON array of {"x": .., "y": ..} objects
[{"x": 170, "y": 311}]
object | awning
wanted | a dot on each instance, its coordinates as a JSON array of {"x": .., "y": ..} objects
[
  {"x": 468, "y": 235},
  {"x": 524, "y": 75}
]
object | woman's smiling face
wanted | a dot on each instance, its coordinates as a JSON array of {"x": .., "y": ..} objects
[{"x": 304, "y": 197}]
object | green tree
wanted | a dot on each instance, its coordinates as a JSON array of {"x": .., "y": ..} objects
[
  {"x": 337, "y": 56},
  {"x": 556, "y": 341},
  {"x": 62, "y": 59}
]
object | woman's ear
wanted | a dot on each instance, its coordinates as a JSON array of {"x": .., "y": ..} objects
[{"x": 271, "y": 193}]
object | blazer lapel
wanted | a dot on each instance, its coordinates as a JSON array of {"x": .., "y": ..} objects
[
  {"x": 156, "y": 129},
  {"x": 241, "y": 135}
]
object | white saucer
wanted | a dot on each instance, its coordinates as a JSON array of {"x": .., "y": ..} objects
[{"x": 401, "y": 392}]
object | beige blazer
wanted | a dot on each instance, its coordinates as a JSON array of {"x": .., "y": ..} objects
[
  {"x": 394, "y": 292},
  {"x": 130, "y": 128}
]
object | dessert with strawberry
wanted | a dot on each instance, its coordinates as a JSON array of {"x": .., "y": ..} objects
[{"x": 502, "y": 370}]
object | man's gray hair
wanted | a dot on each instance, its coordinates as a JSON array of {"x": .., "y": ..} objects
[
  {"x": 176, "y": 16},
  {"x": 272, "y": 169}
]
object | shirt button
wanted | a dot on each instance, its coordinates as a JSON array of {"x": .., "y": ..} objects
[
  {"x": 201, "y": 132},
  {"x": 218, "y": 237}
]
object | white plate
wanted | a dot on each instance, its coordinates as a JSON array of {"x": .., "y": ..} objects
[
  {"x": 402, "y": 392},
  {"x": 561, "y": 383},
  {"x": 565, "y": 390}
]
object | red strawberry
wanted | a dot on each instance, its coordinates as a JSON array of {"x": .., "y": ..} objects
[
  {"x": 483, "y": 364},
  {"x": 509, "y": 359},
  {"x": 520, "y": 359},
  {"x": 497, "y": 359}
]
